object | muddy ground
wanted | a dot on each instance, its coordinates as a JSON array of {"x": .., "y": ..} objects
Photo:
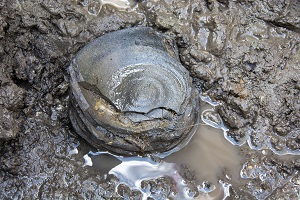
[{"x": 244, "y": 54}]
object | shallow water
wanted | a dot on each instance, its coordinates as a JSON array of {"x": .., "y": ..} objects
[{"x": 209, "y": 155}]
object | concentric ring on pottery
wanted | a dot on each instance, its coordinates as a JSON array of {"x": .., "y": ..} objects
[{"x": 130, "y": 95}]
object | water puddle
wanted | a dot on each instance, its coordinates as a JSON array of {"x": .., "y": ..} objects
[
  {"x": 136, "y": 172},
  {"x": 212, "y": 159},
  {"x": 209, "y": 153}
]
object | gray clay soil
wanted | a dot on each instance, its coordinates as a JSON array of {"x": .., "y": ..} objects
[{"x": 244, "y": 54}]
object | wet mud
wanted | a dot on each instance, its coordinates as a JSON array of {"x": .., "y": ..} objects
[{"x": 243, "y": 55}]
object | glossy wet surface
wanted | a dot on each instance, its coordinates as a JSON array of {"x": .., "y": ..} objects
[
  {"x": 211, "y": 158},
  {"x": 227, "y": 46}
]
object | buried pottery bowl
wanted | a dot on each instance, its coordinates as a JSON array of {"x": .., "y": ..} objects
[{"x": 130, "y": 95}]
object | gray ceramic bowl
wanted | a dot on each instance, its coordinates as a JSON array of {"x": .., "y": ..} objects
[{"x": 130, "y": 95}]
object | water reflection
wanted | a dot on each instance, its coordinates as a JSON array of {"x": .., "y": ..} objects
[{"x": 208, "y": 154}]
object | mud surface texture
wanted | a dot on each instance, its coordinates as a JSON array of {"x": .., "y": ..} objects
[{"x": 243, "y": 54}]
